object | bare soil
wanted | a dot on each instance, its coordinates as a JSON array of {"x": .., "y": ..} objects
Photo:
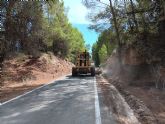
[
  {"x": 111, "y": 98},
  {"x": 137, "y": 84},
  {"x": 147, "y": 102},
  {"x": 23, "y": 73},
  {"x": 153, "y": 99}
]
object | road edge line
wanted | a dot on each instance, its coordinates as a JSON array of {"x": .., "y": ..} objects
[
  {"x": 97, "y": 106},
  {"x": 26, "y": 93}
]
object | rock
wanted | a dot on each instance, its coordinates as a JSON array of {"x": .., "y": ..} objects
[{"x": 132, "y": 57}]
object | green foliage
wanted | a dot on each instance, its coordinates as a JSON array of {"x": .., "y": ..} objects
[
  {"x": 95, "y": 55},
  {"x": 103, "y": 54},
  {"x": 60, "y": 47},
  {"x": 77, "y": 43},
  {"x": 104, "y": 46},
  {"x": 123, "y": 22},
  {"x": 107, "y": 37},
  {"x": 43, "y": 27},
  {"x": 132, "y": 16},
  {"x": 60, "y": 30}
]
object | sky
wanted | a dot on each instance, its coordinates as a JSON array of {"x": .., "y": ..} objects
[{"x": 77, "y": 17}]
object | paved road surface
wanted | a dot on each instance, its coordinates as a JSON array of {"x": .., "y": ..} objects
[
  {"x": 73, "y": 100},
  {"x": 68, "y": 101}
]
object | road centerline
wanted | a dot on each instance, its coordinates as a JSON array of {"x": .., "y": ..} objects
[{"x": 97, "y": 106}]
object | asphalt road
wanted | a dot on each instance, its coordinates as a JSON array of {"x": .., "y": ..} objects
[
  {"x": 72, "y": 100},
  {"x": 67, "y": 101}
]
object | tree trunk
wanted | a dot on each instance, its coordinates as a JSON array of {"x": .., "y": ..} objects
[
  {"x": 115, "y": 23},
  {"x": 129, "y": 23},
  {"x": 145, "y": 26},
  {"x": 8, "y": 25},
  {"x": 133, "y": 14},
  {"x": 117, "y": 35}
]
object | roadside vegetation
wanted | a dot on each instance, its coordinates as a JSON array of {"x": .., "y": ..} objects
[
  {"x": 124, "y": 25},
  {"x": 37, "y": 44},
  {"x": 33, "y": 27},
  {"x": 131, "y": 46},
  {"x": 137, "y": 23}
]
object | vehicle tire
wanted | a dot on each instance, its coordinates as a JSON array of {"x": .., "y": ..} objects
[
  {"x": 92, "y": 71},
  {"x": 74, "y": 73}
]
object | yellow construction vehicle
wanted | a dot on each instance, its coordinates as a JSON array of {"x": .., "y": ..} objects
[{"x": 83, "y": 65}]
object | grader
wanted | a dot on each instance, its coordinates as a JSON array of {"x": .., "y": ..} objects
[{"x": 83, "y": 65}]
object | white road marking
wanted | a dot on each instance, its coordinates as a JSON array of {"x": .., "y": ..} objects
[
  {"x": 60, "y": 78},
  {"x": 97, "y": 106}
]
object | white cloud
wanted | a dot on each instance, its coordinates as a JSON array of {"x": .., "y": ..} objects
[{"x": 77, "y": 12}]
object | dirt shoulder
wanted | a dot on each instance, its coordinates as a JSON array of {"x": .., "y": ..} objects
[
  {"x": 153, "y": 99},
  {"x": 141, "y": 86},
  {"x": 24, "y": 73},
  {"x": 147, "y": 103},
  {"x": 114, "y": 101}
]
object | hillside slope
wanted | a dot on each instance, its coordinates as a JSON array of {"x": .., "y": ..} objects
[
  {"x": 136, "y": 83},
  {"x": 21, "y": 73}
]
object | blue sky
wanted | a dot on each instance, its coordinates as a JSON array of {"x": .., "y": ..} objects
[
  {"x": 77, "y": 16},
  {"x": 90, "y": 36}
]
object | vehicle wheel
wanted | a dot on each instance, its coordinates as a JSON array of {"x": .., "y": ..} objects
[
  {"x": 74, "y": 73},
  {"x": 92, "y": 71}
]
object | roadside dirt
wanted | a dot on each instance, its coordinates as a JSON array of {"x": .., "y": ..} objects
[
  {"x": 141, "y": 111},
  {"x": 24, "y": 73},
  {"x": 136, "y": 82},
  {"x": 153, "y": 99},
  {"x": 119, "y": 109},
  {"x": 147, "y": 103}
]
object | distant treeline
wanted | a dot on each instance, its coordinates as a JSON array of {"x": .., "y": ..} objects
[
  {"x": 34, "y": 26},
  {"x": 139, "y": 23}
]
